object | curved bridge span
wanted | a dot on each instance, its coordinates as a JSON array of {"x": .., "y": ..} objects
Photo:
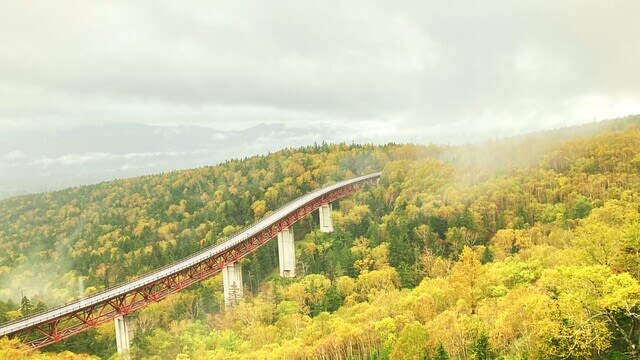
[{"x": 62, "y": 322}]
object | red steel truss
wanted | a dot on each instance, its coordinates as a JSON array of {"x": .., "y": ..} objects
[{"x": 68, "y": 325}]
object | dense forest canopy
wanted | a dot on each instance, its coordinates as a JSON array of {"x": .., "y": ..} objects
[{"x": 521, "y": 248}]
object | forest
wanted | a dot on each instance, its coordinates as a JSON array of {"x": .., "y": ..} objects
[{"x": 522, "y": 248}]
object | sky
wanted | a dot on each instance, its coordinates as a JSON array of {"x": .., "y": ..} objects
[{"x": 362, "y": 71}]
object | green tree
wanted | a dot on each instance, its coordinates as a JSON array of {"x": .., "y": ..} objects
[
  {"x": 412, "y": 343},
  {"x": 441, "y": 353}
]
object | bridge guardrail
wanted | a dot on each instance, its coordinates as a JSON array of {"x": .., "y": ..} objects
[{"x": 178, "y": 266}]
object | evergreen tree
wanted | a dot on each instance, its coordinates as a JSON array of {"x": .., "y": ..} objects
[{"x": 441, "y": 353}]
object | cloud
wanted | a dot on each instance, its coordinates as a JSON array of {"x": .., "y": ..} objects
[
  {"x": 92, "y": 157},
  {"x": 417, "y": 70},
  {"x": 15, "y": 155}
]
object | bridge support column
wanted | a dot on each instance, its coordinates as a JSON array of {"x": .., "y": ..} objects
[
  {"x": 232, "y": 283},
  {"x": 326, "y": 224},
  {"x": 122, "y": 336},
  {"x": 287, "y": 253}
]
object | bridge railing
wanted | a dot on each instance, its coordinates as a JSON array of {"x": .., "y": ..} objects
[{"x": 215, "y": 249}]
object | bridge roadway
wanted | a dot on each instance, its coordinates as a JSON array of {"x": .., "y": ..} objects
[{"x": 67, "y": 320}]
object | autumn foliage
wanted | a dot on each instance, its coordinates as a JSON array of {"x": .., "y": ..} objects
[{"x": 527, "y": 248}]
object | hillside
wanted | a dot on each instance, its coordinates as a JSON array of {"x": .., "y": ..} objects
[
  {"x": 39, "y": 160},
  {"x": 522, "y": 248}
]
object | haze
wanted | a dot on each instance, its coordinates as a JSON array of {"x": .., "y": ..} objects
[{"x": 92, "y": 91}]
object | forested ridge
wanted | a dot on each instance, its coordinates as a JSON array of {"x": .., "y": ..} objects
[{"x": 526, "y": 248}]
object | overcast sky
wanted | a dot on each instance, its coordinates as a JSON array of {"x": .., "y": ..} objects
[{"x": 421, "y": 71}]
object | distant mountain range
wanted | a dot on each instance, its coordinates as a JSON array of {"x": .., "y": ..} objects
[
  {"x": 35, "y": 161},
  {"x": 39, "y": 160}
]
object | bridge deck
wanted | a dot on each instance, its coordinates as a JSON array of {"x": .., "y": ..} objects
[{"x": 158, "y": 275}]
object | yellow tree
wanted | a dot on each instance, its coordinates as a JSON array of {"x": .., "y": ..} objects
[{"x": 468, "y": 278}]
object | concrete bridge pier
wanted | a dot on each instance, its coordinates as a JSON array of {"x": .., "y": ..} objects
[
  {"x": 326, "y": 224},
  {"x": 122, "y": 336},
  {"x": 287, "y": 253},
  {"x": 232, "y": 283}
]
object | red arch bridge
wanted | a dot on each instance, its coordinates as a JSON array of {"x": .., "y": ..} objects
[{"x": 48, "y": 327}]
